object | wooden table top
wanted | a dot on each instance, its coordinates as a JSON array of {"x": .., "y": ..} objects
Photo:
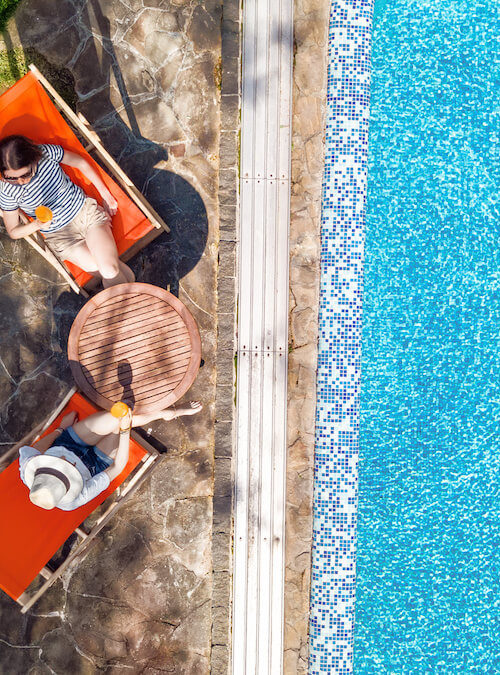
[{"x": 134, "y": 342}]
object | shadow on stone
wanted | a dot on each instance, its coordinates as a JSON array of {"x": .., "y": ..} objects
[
  {"x": 157, "y": 445},
  {"x": 66, "y": 307},
  {"x": 61, "y": 555},
  {"x": 33, "y": 370},
  {"x": 170, "y": 257}
]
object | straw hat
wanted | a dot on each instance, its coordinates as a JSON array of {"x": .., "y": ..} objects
[{"x": 53, "y": 481}]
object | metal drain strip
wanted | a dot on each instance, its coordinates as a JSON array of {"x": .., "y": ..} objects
[{"x": 262, "y": 351}]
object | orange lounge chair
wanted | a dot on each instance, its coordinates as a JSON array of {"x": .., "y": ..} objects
[
  {"x": 30, "y": 536},
  {"x": 33, "y": 108}
]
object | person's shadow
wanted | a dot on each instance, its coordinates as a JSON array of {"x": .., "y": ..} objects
[{"x": 125, "y": 379}]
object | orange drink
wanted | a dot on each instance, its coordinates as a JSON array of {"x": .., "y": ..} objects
[
  {"x": 43, "y": 214},
  {"x": 119, "y": 409}
]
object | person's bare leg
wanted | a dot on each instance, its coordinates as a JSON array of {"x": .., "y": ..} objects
[
  {"x": 95, "y": 427},
  {"x": 103, "y": 248},
  {"x": 80, "y": 255},
  {"x": 109, "y": 444},
  {"x": 169, "y": 414},
  {"x": 126, "y": 271},
  {"x": 102, "y": 428}
]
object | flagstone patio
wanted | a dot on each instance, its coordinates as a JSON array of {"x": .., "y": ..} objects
[
  {"x": 159, "y": 80},
  {"x": 148, "y": 77}
]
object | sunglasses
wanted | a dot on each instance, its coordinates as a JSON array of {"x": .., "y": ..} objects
[{"x": 15, "y": 179}]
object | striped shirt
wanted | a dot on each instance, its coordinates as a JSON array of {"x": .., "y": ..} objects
[{"x": 50, "y": 187}]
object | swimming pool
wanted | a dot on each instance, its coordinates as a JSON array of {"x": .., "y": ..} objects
[
  {"x": 428, "y": 516},
  {"x": 427, "y": 561}
]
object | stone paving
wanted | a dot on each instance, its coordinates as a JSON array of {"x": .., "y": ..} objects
[
  {"x": 308, "y": 130},
  {"x": 147, "y": 76},
  {"x": 159, "y": 80}
]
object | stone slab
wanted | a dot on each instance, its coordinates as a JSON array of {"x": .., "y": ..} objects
[
  {"x": 308, "y": 115},
  {"x": 141, "y": 601}
]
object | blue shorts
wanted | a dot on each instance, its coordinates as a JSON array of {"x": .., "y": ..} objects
[{"x": 94, "y": 459}]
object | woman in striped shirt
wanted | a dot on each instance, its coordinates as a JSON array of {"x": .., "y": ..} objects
[{"x": 80, "y": 229}]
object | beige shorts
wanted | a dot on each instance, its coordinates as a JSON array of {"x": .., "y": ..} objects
[{"x": 75, "y": 232}]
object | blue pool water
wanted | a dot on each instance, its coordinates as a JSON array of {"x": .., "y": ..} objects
[{"x": 428, "y": 539}]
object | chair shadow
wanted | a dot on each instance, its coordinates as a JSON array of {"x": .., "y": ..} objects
[{"x": 172, "y": 255}]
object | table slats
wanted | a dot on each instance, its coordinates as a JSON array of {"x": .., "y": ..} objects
[{"x": 135, "y": 342}]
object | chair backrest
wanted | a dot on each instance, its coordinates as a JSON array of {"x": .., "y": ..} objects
[
  {"x": 27, "y": 109},
  {"x": 30, "y": 536}
]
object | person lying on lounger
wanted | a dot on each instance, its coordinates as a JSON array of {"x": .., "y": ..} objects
[
  {"x": 80, "y": 229},
  {"x": 76, "y": 462}
]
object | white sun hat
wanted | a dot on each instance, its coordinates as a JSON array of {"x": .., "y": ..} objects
[{"x": 53, "y": 481}]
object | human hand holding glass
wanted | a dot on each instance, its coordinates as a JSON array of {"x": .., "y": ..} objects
[{"x": 43, "y": 215}]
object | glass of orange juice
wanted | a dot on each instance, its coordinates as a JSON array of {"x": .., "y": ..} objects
[
  {"x": 43, "y": 214},
  {"x": 119, "y": 409}
]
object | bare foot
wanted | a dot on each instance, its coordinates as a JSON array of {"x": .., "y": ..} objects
[{"x": 195, "y": 407}]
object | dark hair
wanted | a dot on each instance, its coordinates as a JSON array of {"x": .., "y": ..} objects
[{"x": 16, "y": 152}]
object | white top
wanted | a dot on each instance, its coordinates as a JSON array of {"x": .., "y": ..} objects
[
  {"x": 92, "y": 486},
  {"x": 50, "y": 187}
]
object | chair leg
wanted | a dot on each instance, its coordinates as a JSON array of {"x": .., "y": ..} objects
[{"x": 53, "y": 260}]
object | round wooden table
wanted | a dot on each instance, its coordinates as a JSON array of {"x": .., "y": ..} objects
[{"x": 134, "y": 342}]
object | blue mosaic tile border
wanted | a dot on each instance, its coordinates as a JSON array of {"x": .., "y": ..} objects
[{"x": 338, "y": 379}]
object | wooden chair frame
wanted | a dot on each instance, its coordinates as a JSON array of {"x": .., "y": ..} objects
[
  {"x": 120, "y": 495},
  {"x": 94, "y": 143}
]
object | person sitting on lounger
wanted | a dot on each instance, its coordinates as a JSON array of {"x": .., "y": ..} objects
[
  {"x": 76, "y": 462},
  {"x": 80, "y": 229}
]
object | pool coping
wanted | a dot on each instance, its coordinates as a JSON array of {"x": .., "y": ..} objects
[{"x": 222, "y": 519}]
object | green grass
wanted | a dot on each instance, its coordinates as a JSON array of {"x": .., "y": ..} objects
[
  {"x": 218, "y": 74},
  {"x": 14, "y": 61},
  {"x": 14, "y": 64},
  {"x": 7, "y": 9}
]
